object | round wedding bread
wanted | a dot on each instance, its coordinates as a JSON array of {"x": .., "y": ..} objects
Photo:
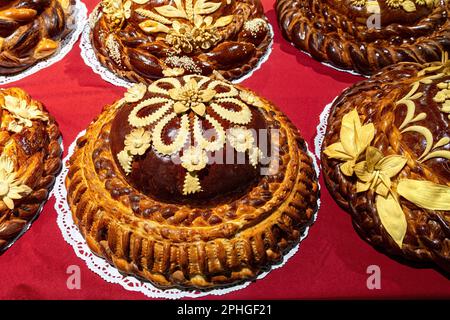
[
  {"x": 32, "y": 30},
  {"x": 30, "y": 158},
  {"x": 192, "y": 182},
  {"x": 386, "y": 160},
  {"x": 367, "y": 35},
  {"x": 145, "y": 40}
]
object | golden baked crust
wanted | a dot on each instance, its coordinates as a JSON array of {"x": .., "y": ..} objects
[
  {"x": 364, "y": 35},
  {"x": 183, "y": 242},
  {"x": 31, "y": 30},
  {"x": 401, "y": 202},
  {"x": 145, "y": 40},
  {"x": 30, "y": 158}
]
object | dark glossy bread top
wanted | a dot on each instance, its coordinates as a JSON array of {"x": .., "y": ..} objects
[{"x": 225, "y": 132}]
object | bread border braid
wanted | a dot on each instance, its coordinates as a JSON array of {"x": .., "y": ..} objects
[
  {"x": 351, "y": 47},
  {"x": 222, "y": 255}
]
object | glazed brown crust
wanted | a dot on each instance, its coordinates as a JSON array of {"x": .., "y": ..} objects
[
  {"x": 143, "y": 56},
  {"x": 186, "y": 246},
  {"x": 428, "y": 232},
  {"x": 37, "y": 152},
  {"x": 338, "y": 33},
  {"x": 31, "y": 30}
]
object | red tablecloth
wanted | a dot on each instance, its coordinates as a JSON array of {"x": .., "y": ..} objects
[{"x": 331, "y": 263}]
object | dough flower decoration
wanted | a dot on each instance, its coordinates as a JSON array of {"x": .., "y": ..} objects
[
  {"x": 407, "y": 5},
  {"x": 355, "y": 138},
  {"x": 191, "y": 97},
  {"x": 22, "y": 113},
  {"x": 188, "y": 27},
  {"x": 443, "y": 97},
  {"x": 190, "y": 104},
  {"x": 117, "y": 11},
  {"x": 376, "y": 171},
  {"x": 381, "y": 175},
  {"x": 242, "y": 140},
  {"x": 138, "y": 141},
  {"x": 202, "y": 35},
  {"x": 194, "y": 159},
  {"x": 125, "y": 159},
  {"x": 136, "y": 144},
  {"x": 11, "y": 188}
]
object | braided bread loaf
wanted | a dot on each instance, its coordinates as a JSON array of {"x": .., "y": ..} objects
[
  {"x": 197, "y": 220},
  {"x": 31, "y": 30},
  {"x": 365, "y": 35},
  {"x": 29, "y": 161},
  {"x": 386, "y": 160},
  {"x": 144, "y": 40}
]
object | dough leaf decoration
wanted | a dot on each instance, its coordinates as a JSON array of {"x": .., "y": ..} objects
[
  {"x": 425, "y": 194},
  {"x": 426, "y": 133},
  {"x": 442, "y": 96},
  {"x": 408, "y": 100},
  {"x": 125, "y": 159},
  {"x": 171, "y": 11},
  {"x": 152, "y": 26},
  {"x": 409, "y": 6},
  {"x": 385, "y": 175},
  {"x": 153, "y": 16},
  {"x": 191, "y": 183},
  {"x": 223, "y": 21},
  {"x": 392, "y": 217},
  {"x": 204, "y": 7}
]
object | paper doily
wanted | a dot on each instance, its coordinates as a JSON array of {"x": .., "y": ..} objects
[
  {"x": 321, "y": 129},
  {"x": 90, "y": 58},
  {"x": 109, "y": 273},
  {"x": 80, "y": 17}
]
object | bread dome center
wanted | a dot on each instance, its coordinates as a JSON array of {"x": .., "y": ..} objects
[{"x": 190, "y": 140}]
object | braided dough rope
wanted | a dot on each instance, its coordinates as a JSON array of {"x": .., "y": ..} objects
[
  {"x": 32, "y": 31},
  {"x": 320, "y": 28},
  {"x": 408, "y": 124},
  {"x": 35, "y": 153},
  {"x": 159, "y": 242}
]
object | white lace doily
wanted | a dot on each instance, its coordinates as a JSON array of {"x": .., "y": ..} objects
[
  {"x": 110, "y": 274},
  {"x": 80, "y": 17},
  {"x": 90, "y": 58},
  {"x": 321, "y": 129}
]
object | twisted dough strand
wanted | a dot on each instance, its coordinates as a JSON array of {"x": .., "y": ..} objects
[
  {"x": 329, "y": 36},
  {"x": 31, "y": 30}
]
